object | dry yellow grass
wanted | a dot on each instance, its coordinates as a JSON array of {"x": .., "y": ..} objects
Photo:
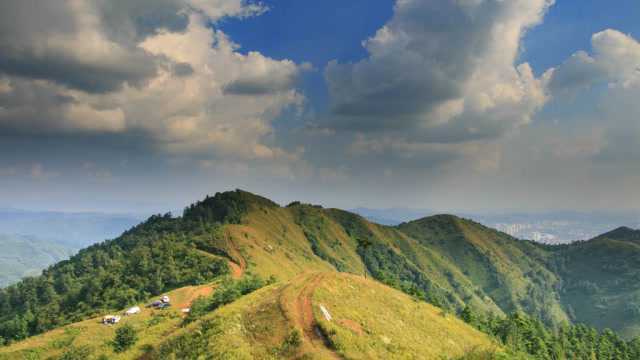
[
  {"x": 272, "y": 244},
  {"x": 373, "y": 321},
  {"x": 369, "y": 321}
]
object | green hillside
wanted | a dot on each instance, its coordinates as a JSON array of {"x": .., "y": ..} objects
[
  {"x": 457, "y": 265},
  {"x": 601, "y": 281}
]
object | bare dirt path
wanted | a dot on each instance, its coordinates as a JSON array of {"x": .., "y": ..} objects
[
  {"x": 193, "y": 292},
  {"x": 236, "y": 270},
  {"x": 306, "y": 320}
]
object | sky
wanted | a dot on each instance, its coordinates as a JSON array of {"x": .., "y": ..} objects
[{"x": 451, "y": 105}]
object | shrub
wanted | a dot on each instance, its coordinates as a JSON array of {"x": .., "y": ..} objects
[
  {"x": 126, "y": 337},
  {"x": 226, "y": 293},
  {"x": 291, "y": 343},
  {"x": 76, "y": 353}
]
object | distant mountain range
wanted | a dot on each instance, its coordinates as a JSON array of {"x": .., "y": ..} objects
[
  {"x": 31, "y": 241},
  {"x": 553, "y": 227},
  {"x": 76, "y": 230},
  {"x": 23, "y": 256}
]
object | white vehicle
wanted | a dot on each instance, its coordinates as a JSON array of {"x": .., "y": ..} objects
[
  {"x": 132, "y": 311},
  {"x": 111, "y": 319}
]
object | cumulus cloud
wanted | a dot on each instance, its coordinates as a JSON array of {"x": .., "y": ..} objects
[
  {"x": 583, "y": 150},
  {"x": 610, "y": 77},
  {"x": 196, "y": 113},
  {"x": 64, "y": 41},
  {"x": 158, "y": 68},
  {"x": 615, "y": 60},
  {"x": 263, "y": 77},
  {"x": 442, "y": 71}
]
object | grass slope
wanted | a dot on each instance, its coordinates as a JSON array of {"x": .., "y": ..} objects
[{"x": 369, "y": 321}]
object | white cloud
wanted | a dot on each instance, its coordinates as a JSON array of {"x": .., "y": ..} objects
[
  {"x": 609, "y": 78},
  {"x": 615, "y": 60},
  {"x": 442, "y": 71},
  {"x": 116, "y": 68},
  {"x": 221, "y": 8},
  {"x": 195, "y": 113}
]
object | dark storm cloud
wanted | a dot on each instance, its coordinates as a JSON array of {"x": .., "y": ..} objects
[{"x": 75, "y": 73}]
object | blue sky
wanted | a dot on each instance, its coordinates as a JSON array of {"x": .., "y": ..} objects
[
  {"x": 321, "y": 31},
  {"x": 315, "y": 32},
  {"x": 569, "y": 25},
  {"x": 441, "y": 104}
]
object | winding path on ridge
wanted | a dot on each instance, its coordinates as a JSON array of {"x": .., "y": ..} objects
[{"x": 306, "y": 320}]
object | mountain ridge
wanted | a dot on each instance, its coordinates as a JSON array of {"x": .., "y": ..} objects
[{"x": 451, "y": 262}]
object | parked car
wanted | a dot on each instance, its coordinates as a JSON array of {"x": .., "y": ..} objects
[{"x": 111, "y": 319}]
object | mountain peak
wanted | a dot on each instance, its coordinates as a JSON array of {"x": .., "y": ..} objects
[
  {"x": 229, "y": 206},
  {"x": 621, "y": 233},
  {"x": 439, "y": 218}
]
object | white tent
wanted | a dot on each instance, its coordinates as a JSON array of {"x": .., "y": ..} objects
[{"x": 133, "y": 310}]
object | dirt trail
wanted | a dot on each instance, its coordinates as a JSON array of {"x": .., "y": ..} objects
[
  {"x": 193, "y": 293},
  {"x": 236, "y": 270},
  {"x": 306, "y": 320},
  {"x": 237, "y": 263}
]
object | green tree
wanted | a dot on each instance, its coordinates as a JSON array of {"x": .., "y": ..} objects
[
  {"x": 364, "y": 244},
  {"x": 469, "y": 316},
  {"x": 126, "y": 337}
]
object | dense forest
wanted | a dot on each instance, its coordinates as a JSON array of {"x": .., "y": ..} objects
[{"x": 524, "y": 337}]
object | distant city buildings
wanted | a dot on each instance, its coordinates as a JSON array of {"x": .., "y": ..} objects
[{"x": 553, "y": 231}]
